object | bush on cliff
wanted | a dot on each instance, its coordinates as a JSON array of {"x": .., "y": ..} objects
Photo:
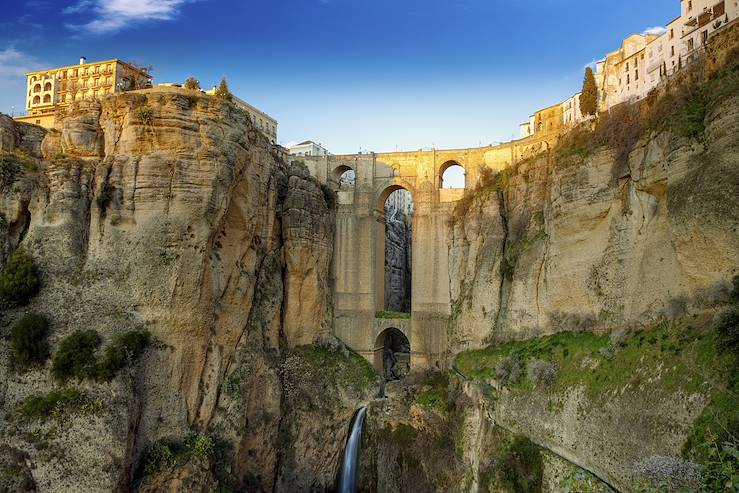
[
  {"x": 45, "y": 406},
  {"x": 75, "y": 357},
  {"x": 18, "y": 280},
  {"x": 543, "y": 372},
  {"x": 28, "y": 341},
  {"x": 124, "y": 349},
  {"x": 508, "y": 370},
  {"x": 521, "y": 466}
]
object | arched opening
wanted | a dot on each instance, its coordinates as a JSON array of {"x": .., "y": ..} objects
[
  {"x": 47, "y": 86},
  {"x": 393, "y": 251},
  {"x": 36, "y": 100},
  {"x": 392, "y": 354},
  {"x": 452, "y": 175},
  {"x": 47, "y": 98},
  {"x": 345, "y": 176},
  {"x": 37, "y": 88}
]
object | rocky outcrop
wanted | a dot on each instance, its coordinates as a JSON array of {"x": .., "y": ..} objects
[
  {"x": 589, "y": 243},
  {"x": 167, "y": 209}
]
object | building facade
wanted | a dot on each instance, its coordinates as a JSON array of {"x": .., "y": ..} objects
[
  {"x": 643, "y": 62},
  {"x": 571, "y": 113},
  {"x": 49, "y": 90},
  {"x": 307, "y": 148}
]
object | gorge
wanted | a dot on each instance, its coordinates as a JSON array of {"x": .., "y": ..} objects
[{"x": 218, "y": 313}]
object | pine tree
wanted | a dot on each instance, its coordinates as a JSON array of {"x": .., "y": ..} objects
[
  {"x": 223, "y": 92},
  {"x": 589, "y": 95},
  {"x": 192, "y": 83}
]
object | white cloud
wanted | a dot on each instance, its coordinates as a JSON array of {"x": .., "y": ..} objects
[
  {"x": 114, "y": 15},
  {"x": 658, "y": 30},
  {"x": 13, "y": 63}
]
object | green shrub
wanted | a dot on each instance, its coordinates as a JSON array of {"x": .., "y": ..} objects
[
  {"x": 75, "y": 356},
  {"x": 521, "y": 466},
  {"x": 28, "y": 342},
  {"x": 124, "y": 349},
  {"x": 727, "y": 331},
  {"x": 45, "y": 406},
  {"x": 18, "y": 280},
  {"x": 144, "y": 114},
  {"x": 167, "y": 452},
  {"x": 9, "y": 170},
  {"x": 508, "y": 371}
]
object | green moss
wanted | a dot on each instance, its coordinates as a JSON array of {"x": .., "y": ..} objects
[
  {"x": 19, "y": 280},
  {"x": 392, "y": 315},
  {"x": 435, "y": 393},
  {"x": 28, "y": 341},
  {"x": 347, "y": 367},
  {"x": 45, "y": 406}
]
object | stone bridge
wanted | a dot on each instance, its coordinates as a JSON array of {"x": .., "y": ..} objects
[{"x": 359, "y": 254}]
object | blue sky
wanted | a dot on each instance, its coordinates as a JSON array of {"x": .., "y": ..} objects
[{"x": 375, "y": 75}]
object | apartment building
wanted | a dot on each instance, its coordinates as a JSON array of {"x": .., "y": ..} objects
[{"x": 50, "y": 89}]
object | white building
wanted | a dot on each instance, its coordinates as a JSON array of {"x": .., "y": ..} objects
[
  {"x": 571, "y": 112},
  {"x": 645, "y": 60},
  {"x": 307, "y": 148}
]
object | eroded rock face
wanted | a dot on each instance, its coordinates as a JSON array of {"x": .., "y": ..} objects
[
  {"x": 168, "y": 210},
  {"x": 588, "y": 244}
]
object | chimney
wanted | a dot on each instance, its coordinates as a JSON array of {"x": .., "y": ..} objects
[{"x": 83, "y": 60}]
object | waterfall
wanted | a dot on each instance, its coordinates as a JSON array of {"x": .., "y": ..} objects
[{"x": 348, "y": 475}]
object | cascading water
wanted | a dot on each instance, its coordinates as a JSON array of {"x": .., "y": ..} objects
[{"x": 348, "y": 475}]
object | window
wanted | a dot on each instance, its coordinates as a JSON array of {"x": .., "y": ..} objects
[
  {"x": 636, "y": 75},
  {"x": 672, "y": 34},
  {"x": 627, "y": 66},
  {"x": 704, "y": 37},
  {"x": 36, "y": 100},
  {"x": 691, "y": 44},
  {"x": 672, "y": 51},
  {"x": 47, "y": 98},
  {"x": 690, "y": 5},
  {"x": 628, "y": 78}
]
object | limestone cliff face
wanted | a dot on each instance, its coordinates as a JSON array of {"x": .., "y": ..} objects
[
  {"x": 590, "y": 244},
  {"x": 398, "y": 237},
  {"x": 167, "y": 209}
]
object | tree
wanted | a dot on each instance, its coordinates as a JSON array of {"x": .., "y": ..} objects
[
  {"x": 192, "y": 83},
  {"x": 589, "y": 95},
  {"x": 223, "y": 92}
]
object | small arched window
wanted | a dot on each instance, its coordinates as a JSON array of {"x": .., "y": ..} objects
[
  {"x": 37, "y": 88},
  {"x": 36, "y": 100},
  {"x": 47, "y": 98},
  {"x": 47, "y": 86}
]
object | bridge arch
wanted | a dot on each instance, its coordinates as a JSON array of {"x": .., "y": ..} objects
[
  {"x": 345, "y": 176},
  {"x": 392, "y": 353},
  {"x": 393, "y": 246},
  {"x": 384, "y": 193},
  {"x": 452, "y": 175}
]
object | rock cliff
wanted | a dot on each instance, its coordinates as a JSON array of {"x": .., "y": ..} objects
[{"x": 168, "y": 210}]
